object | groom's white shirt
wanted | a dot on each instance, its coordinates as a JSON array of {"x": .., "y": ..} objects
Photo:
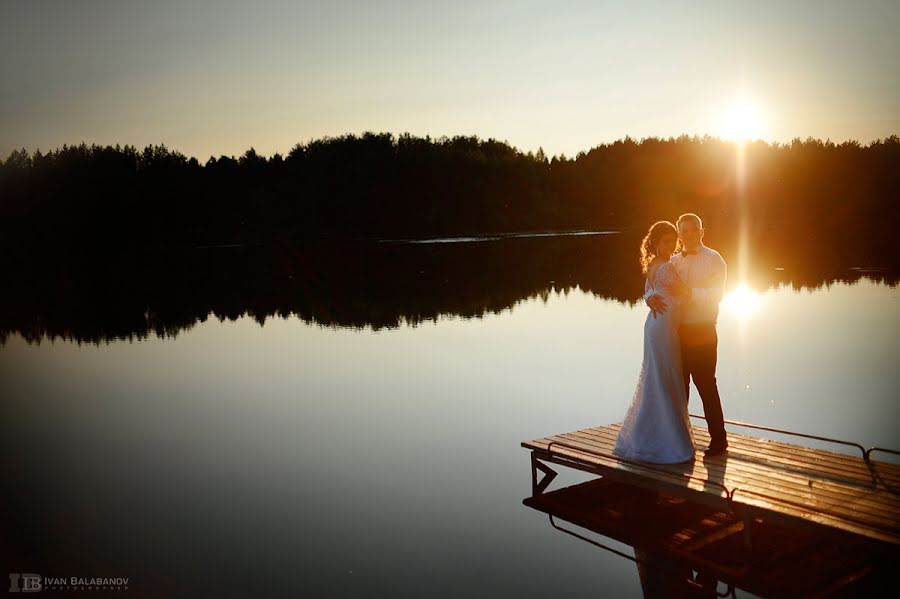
[{"x": 704, "y": 272}]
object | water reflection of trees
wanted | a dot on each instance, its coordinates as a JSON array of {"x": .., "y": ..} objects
[{"x": 100, "y": 295}]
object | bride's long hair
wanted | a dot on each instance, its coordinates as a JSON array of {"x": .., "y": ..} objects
[{"x": 651, "y": 239}]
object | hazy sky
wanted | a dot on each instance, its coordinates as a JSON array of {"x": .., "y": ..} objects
[{"x": 208, "y": 77}]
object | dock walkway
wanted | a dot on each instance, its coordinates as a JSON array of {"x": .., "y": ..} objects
[{"x": 758, "y": 478}]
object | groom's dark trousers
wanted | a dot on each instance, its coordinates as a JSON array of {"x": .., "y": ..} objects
[{"x": 699, "y": 346}]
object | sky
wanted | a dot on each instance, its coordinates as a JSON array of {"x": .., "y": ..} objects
[{"x": 216, "y": 78}]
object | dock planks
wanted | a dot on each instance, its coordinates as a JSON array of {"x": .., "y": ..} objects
[{"x": 761, "y": 478}]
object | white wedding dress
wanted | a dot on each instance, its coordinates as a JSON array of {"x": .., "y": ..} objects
[{"x": 657, "y": 427}]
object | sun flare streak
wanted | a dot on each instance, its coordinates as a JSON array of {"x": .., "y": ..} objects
[{"x": 742, "y": 303}]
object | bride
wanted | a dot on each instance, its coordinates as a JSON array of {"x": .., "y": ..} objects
[{"x": 657, "y": 428}]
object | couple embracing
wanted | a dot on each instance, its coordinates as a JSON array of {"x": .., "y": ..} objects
[{"x": 685, "y": 283}]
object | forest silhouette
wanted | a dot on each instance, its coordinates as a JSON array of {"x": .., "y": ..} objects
[
  {"x": 105, "y": 243},
  {"x": 803, "y": 199}
]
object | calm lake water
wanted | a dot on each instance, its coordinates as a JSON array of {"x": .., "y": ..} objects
[{"x": 368, "y": 443}]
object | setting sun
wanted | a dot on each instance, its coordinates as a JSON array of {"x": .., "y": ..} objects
[{"x": 741, "y": 122}]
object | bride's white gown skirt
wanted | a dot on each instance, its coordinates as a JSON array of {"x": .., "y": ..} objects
[{"x": 657, "y": 427}]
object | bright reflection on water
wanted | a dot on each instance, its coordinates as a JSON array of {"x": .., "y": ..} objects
[
  {"x": 742, "y": 301},
  {"x": 247, "y": 459}
]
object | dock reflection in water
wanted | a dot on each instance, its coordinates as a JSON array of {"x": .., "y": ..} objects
[{"x": 684, "y": 549}]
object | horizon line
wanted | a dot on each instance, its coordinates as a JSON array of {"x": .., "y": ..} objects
[{"x": 706, "y": 137}]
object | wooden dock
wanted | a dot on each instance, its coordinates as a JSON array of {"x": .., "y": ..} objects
[{"x": 759, "y": 479}]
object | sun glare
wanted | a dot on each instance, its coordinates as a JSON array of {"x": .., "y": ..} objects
[
  {"x": 741, "y": 122},
  {"x": 741, "y": 301}
]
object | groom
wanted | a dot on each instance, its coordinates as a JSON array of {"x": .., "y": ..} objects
[{"x": 703, "y": 270}]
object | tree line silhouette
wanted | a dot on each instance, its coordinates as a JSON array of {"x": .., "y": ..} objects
[{"x": 805, "y": 200}]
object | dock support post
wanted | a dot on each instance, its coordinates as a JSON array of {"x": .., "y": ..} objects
[
  {"x": 748, "y": 531},
  {"x": 549, "y": 475}
]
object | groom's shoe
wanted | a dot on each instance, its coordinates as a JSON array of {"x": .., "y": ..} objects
[{"x": 716, "y": 450}]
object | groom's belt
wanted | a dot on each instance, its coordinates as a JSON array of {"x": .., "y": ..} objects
[{"x": 697, "y": 333}]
